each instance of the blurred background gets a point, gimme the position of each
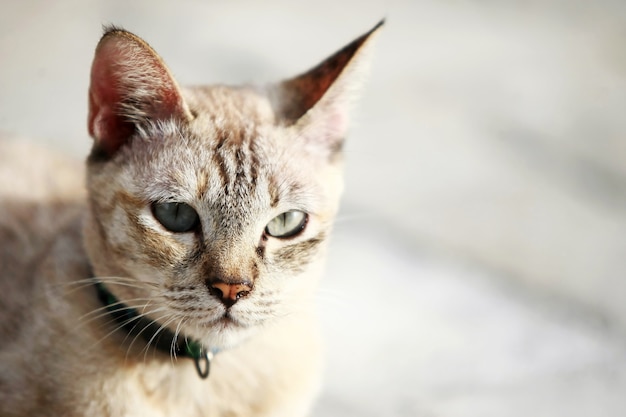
(479, 262)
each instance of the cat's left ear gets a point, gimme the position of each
(317, 103)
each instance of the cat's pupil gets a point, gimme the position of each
(287, 224)
(175, 217)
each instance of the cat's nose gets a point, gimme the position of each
(227, 292)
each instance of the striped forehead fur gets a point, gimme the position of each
(213, 164)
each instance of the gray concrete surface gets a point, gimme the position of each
(478, 265)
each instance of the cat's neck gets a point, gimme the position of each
(154, 334)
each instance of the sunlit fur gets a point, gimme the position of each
(233, 154)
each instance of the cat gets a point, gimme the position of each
(180, 280)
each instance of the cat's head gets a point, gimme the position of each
(210, 207)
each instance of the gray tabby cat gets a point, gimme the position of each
(182, 282)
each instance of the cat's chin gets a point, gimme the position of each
(225, 336)
(223, 333)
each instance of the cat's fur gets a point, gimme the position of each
(240, 156)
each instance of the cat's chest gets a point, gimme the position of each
(156, 391)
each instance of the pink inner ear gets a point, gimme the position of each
(105, 122)
(130, 84)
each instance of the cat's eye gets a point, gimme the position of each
(287, 224)
(175, 217)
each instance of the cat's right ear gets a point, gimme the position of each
(130, 86)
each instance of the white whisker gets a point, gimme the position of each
(122, 304)
(140, 332)
(123, 324)
(162, 327)
(176, 334)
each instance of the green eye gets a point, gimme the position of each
(175, 217)
(287, 224)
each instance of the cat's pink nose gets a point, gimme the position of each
(230, 293)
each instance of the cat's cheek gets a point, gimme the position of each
(295, 272)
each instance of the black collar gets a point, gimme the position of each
(153, 333)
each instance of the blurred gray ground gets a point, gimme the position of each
(478, 267)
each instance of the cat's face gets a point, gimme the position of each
(210, 207)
